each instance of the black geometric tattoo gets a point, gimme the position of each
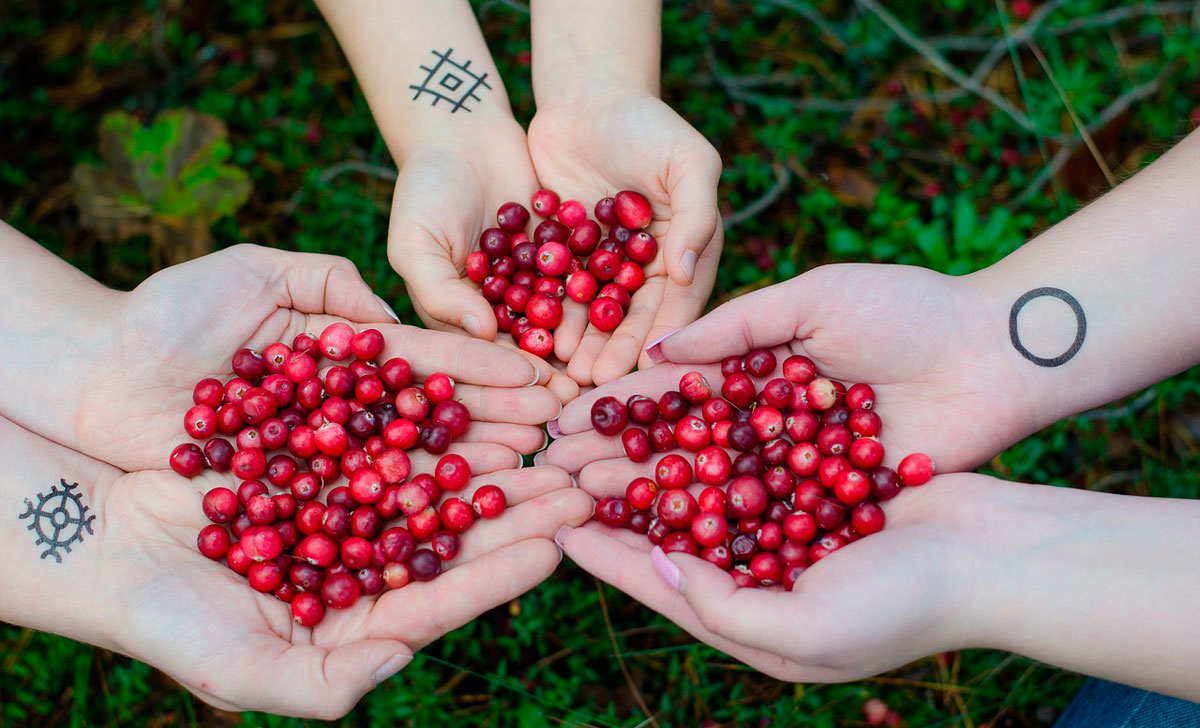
(59, 519)
(452, 77)
(1080, 326)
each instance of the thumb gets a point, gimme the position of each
(328, 684)
(694, 219)
(438, 288)
(760, 319)
(750, 617)
(318, 284)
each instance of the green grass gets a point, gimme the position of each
(922, 183)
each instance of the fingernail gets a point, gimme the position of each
(574, 480)
(654, 348)
(552, 429)
(390, 311)
(546, 440)
(688, 261)
(470, 324)
(666, 570)
(561, 536)
(540, 459)
(537, 377)
(520, 462)
(394, 665)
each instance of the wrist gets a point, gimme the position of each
(593, 85)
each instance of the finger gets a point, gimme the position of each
(612, 476)
(520, 484)
(624, 562)
(482, 457)
(313, 283)
(524, 439)
(437, 283)
(466, 360)
(570, 330)
(692, 186)
(305, 680)
(681, 305)
(521, 405)
(424, 611)
(538, 518)
(582, 361)
(624, 345)
(764, 318)
(756, 618)
(573, 452)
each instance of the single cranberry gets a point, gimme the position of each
(860, 396)
(604, 264)
(867, 518)
(749, 463)
(681, 542)
(340, 591)
(747, 497)
(672, 405)
(613, 512)
(739, 390)
(915, 469)
(457, 515)
(200, 421)
(605, 313)
(307, 609)
(537, 341)
(584, 238)
(769, 535)
(743, 437)
(213, 541)
(662, 437)
(713, 466)
(309, 517)
(822, 394)
(424, 565)
(760, 362)
(494, 242)
(642, 409)
(632, 209)
(424, 523)
(544, 203)
(709, 529)
(478, 266)
(779, 482)
(608, 416)
(248, 364)
(307, 344)
(836, 415)
(261, 543)
(396, 575)
(884, 483)
(636, 443)
(209, 392)
(629, 277)
(218, 453)
(489, 501)
(641, 247)
(673, 472)
(335, 341)
(831, 469)
(767, 568)
(512, 216)
(435, 438)
(571, 213)
(187, 459)
(692, 434)
(544, 312)
(396, 374)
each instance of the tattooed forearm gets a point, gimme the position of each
(450, 81)
(58, 519)
(1080, 326)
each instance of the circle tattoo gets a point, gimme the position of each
(1080, 326)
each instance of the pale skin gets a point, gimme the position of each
(1093, 582)
(457, 169)
(114, 372)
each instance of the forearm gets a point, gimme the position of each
(1130, 260)
(584, 50)
(55, 321)
(1099, 583)
(395, 48)
(51, 576)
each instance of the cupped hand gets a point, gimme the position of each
(873, 605)
(184, 324)
(446, 195)
(239, 649)
(944, 384)
(596, 148)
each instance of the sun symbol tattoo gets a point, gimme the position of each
(59, 519)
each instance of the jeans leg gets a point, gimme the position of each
(1103, 704)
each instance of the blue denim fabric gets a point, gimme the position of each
(1102, 704)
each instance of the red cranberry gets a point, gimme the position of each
(829, 514)
(544, 203)
(612, 512)
(396, 374)
(396, 575)
(424, 523)
(641, 247)
(739, 390)
(662, 437)
(478, 266)
(435, 438)
(867, 518)
(713, 466)
(307, 609)
(261, 543)
(779, 482)
(187, 459)
(453, 415)
(731, 365)
(884, 483)
(219, 454)
(743, 546)
(636, 443)
(760, 362)
(709, 529)
(213, 541)
(743, 437)
(642, 409)
(604, 264)
(770, 535)
(538, 341)
(200, 421)
(641, 493)
(424, 565)
(608, 416)
(716, 409)
(831, 469)
(572, 213)
(915, 469)
(489, 501)
(335, 341)
(309, 517)
(632, 209)
(544, 312)
(582, 286)
(673, 471)
(512, 216)
(681, 542)
(340, 591)
(835, 415)
(209, 392)
(749, 463)
(445, 544)
(248, 364)
(866, 453)
(456, 514)
(747, 497)
(822, 394)
(860, 396)
(767, 568)
(605, 313)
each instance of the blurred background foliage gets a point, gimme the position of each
(937, 134)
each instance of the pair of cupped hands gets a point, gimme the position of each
(238, 649)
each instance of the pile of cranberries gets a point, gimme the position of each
(805, 477)
(526, 279)
(354, 421)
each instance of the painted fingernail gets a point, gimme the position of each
(390, 311)
(470, 324)
(654, 348)
(561, 536)
(666, 570)
(394, 664)
(688, 261)
(552, 429)
(540, 459)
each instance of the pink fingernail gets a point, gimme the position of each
(654, 348)
(552, 428)
(540, 459)
(561, 536)
(666, 570)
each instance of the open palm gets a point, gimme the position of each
(239, 649)
(184, 323)
(637, 142)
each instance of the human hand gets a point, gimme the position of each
(592, 147)
(185, 323)
(942, 382)
(877, 603)
(239, 649)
